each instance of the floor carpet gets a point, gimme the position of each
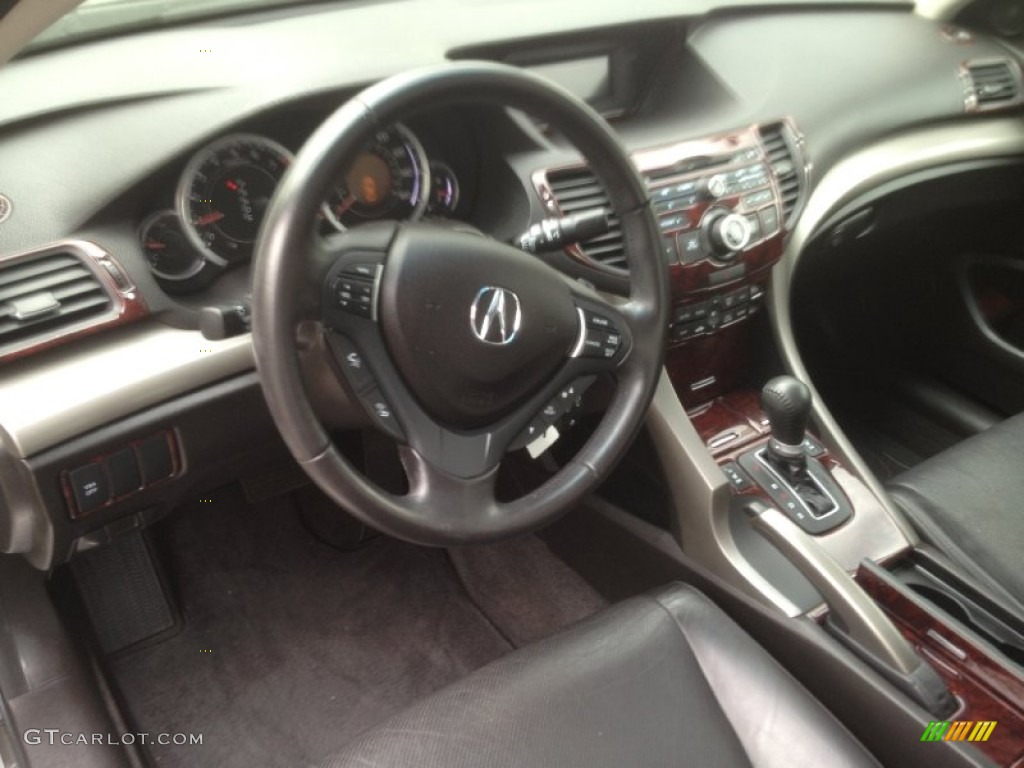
(290, 647)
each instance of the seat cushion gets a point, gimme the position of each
(969, 503)
(661, 680)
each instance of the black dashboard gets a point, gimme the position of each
(159, 149)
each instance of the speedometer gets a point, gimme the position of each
(224, 193)
(390, 179)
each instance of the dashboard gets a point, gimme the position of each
(145, 162)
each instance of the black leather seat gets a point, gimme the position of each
(968, 502)
(663, 680)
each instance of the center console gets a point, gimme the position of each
(821, 543)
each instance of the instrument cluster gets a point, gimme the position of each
(225, 188)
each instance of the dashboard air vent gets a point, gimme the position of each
(42, 295)
(991, 84)
(779, 143)
(577, 189)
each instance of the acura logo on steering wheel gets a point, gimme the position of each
(495, 315)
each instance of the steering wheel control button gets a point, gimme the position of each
(594, 320)
(568, 400)
(90, 488)
(381, 412)
(354, 295)
(364, 270)
(352, 363)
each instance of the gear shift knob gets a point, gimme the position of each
(787, 403)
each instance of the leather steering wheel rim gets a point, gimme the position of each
(443, 508)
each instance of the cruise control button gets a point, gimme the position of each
(595, 320)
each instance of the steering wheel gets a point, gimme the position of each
(455, 342)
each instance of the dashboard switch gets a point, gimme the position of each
(90, 488)
(155, 460)
(123, 469)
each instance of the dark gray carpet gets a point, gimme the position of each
(524, 589)
(290, 647)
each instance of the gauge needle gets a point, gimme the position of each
(155, 245)
(345, 204)
(210, 218)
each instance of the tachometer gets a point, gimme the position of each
(390, 178)
(224, 193)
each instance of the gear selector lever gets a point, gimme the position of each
(787, 404)
(799, 485)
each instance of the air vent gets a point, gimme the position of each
(779, 143)
(42, 295)
(991, 84)
(577, 189)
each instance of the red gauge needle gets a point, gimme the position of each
(155, 245)
(210, 218)
(345, 204)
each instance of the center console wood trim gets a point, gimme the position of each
(988, 688)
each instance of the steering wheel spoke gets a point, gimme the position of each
(438, 496)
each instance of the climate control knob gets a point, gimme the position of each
(728, 234)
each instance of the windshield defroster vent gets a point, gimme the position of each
(60, 292)
(781, 147)
(578, 189)
(991, 84)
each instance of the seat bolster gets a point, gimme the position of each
(776, 719)
(968, 502)
(620, 688)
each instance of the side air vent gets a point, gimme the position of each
(991, 84)
(577, 189)
(780, 147)
(44, 294)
